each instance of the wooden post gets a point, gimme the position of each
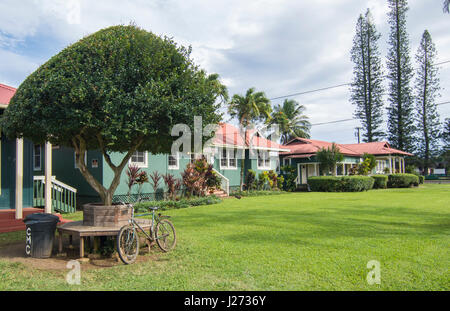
(19, 178)
(390, 164)
(48, 178)
(81, 246)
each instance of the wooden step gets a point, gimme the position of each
(8, 223)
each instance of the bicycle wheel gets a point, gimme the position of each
(128, 244)
(165, 235)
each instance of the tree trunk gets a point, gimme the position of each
(106, 195)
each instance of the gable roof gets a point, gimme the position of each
(376, 148)
(228, 135)
(6, 93)
(309, 146)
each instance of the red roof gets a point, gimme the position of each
(6, 93)
(305, 146)
(311, 146)
(376, 148)
(229, 135)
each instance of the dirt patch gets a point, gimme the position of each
(15, 252)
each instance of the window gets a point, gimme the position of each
(139, 158)
(173, 162)
(227, 159)
(287, 161)
(263, 160)
(75, 159)
(37, 157)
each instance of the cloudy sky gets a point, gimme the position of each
(280, 47)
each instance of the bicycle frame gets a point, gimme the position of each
(133, 222)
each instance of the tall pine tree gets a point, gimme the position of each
(366, 88)
(426, 91)
(401, 104)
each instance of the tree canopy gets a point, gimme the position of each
(328, 158)
(120, 89)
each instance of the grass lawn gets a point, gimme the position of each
(296, 241)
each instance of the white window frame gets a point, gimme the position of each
(286, 160)
(75, 159)
(140, 164)
(173, 167)
(35, 168)
(266, 155)
(228, 158)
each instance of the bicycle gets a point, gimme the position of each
(163, 233)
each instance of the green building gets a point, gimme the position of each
(262, 155)
(302, 156)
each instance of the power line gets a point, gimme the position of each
(345, 120)
(334, 86)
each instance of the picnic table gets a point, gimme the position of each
(76, 228)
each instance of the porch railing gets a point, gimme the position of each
(64, 197)
(225, 184)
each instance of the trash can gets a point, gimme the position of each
(39, 234)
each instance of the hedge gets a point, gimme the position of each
(183, 203)
(340, 184)
(256, 193)
(402, 180)
(380, 181)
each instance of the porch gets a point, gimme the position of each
(306, 170)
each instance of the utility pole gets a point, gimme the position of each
(357, 133)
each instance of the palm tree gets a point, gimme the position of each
(252, 107)
(222, 91)
(291, 120)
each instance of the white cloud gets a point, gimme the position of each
(280, 47)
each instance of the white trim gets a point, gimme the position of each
(252, 147)
(48, 177)
(140, 164)
(19, 179)
(227, 181)
(56, 182)
(75, 159)
(264, 167)
(173, 167)
(35, 168)
(228, 166)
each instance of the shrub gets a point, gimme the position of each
(402, 180)
(340, 184)
(173, 185)
(421, 179)
(255, 193)
(250, 180)
(380, 181)
(290, 174)
(329, 157)
(273, 179)
(369, 163)
(263, 179)
(183, 203)
(324, 183)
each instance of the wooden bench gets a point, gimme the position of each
(77, 229)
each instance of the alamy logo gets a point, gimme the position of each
(73, 277)
(374, 275)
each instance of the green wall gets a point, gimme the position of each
(8, 174)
